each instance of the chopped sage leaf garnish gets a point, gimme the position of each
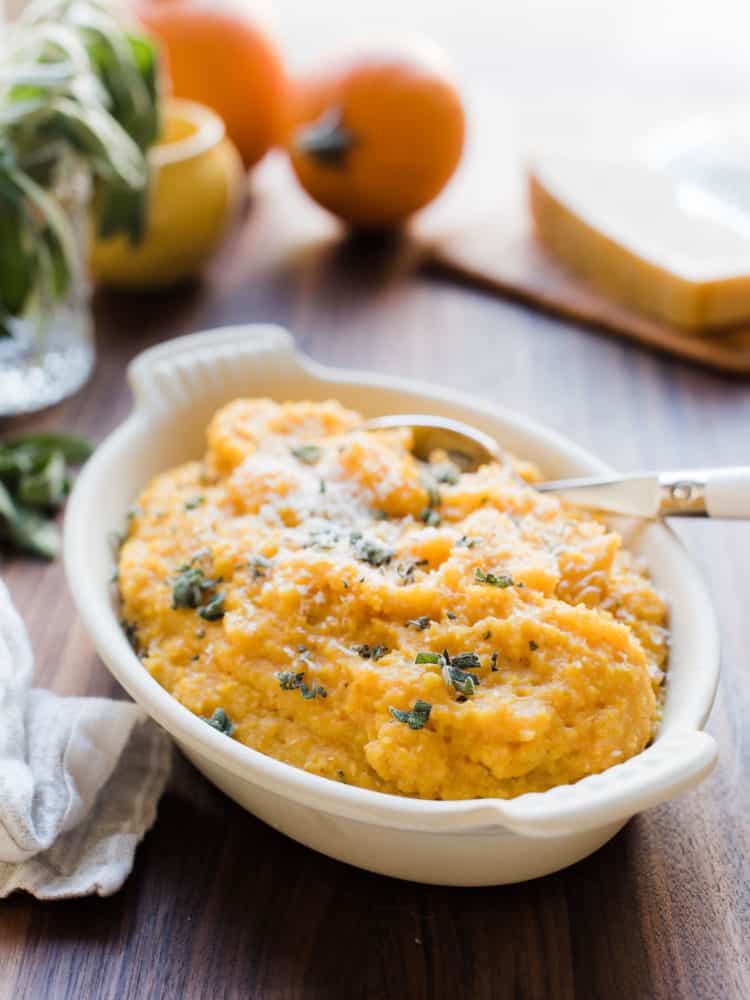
(307, 453)
(421, 623)
(427, 657)
(446, 472)
(368, 652)
(131, 634)
(194, 502)
(466, 661)
(501, 580)
(416, 718)
(289, 680)
(493, 662)
(454, 669)
(406, 570)
(465, 542)
(214, 609)
(533, 646)
(322, 486)
(315, 690)
(188, 587)
(370, 550)
(433, 493)
(431, 517)
(325, 538)
(220, 721)
(465, 683)
(449, 614)
(258, 564)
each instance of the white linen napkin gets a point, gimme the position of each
(80, 779)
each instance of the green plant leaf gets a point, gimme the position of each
(26, 529)
(48, 486)
(74, 448)
(17, 265)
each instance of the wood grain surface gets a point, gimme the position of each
(502, 255)
(219, 905)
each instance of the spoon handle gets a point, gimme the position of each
(720, 493)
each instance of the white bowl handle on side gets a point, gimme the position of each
(673, 764)
(169, 375)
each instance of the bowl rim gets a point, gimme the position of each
(537, 813)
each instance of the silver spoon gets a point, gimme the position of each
(722, 493)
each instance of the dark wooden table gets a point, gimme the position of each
(219, 905)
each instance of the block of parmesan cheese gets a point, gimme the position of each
(674, 244)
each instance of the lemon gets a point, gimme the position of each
(197, 175)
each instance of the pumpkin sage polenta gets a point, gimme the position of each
(315, 592)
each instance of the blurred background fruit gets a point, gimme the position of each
(197, 175)
(222, 55)
(379, 138)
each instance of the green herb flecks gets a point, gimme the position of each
(259, 565)
(416, 718)
(428, 657)
(315, 690)
(188, 587)
(431, 517)
(324, 538)
(455, 669)
(501, 580)
(368, 652)
(466, 661)
(450, 615)
(420, 623)
(493, 663)
(406, 570)
(191, 588)
(465, 683)
(533, 646)
(370, 550)
(194, 502)
(465, 542)
(213, 610)
(446, 472)
(289, 680)
(220, 721)
(131, 634)
(308, 454)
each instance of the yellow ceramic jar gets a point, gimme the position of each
(195, 188)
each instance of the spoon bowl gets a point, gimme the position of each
(465, 445)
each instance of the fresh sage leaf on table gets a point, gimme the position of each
(34, 481)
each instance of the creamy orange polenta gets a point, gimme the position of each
(388, 623)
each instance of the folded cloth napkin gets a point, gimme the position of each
(80, 779)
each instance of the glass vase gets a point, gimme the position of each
(50, 351)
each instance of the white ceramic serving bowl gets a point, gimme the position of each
(177, 387)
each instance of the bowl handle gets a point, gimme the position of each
(167, 376)
(674, 763)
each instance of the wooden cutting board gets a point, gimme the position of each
(501, 254)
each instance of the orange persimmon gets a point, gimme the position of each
(221, 55)
(377, 140)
